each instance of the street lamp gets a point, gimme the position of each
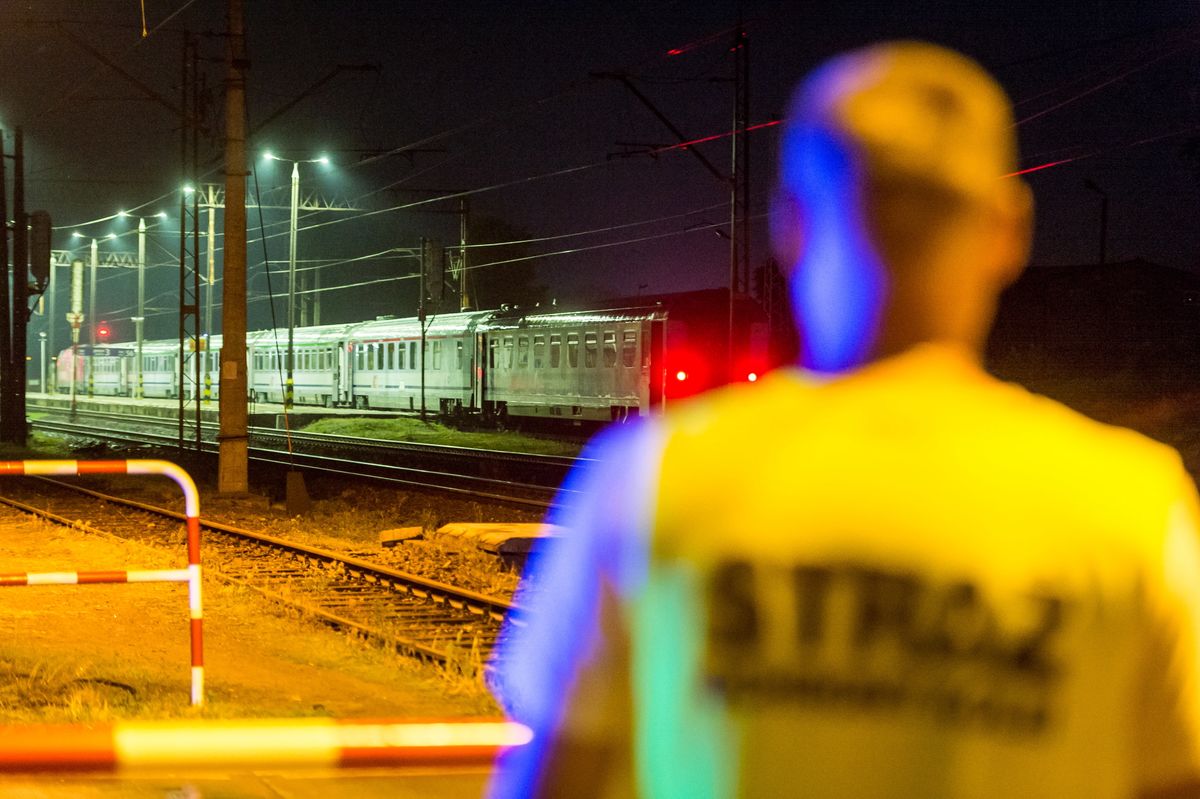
(291, 314)
(95, 262)
(1091, 186)
(141, 294)
(42, 360)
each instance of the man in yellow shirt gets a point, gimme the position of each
(886, 573)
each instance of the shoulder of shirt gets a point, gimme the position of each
(747, 412)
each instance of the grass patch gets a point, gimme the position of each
(419, 432)
(38, 692)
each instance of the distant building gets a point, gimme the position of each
(1092, 319)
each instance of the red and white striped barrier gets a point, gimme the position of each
(259, 743)
(190, 575)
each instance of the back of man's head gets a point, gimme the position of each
(889, 151)
(904, 112)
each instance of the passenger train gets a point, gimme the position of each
(581, 367)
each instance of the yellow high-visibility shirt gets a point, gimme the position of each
(913, 581)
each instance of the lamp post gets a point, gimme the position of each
(289, 384)
(94, 263)
(1090, 184)
(42, 361)
(140, 319)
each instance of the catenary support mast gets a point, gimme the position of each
(232, 468)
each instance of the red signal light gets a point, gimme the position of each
(681, 375)
(102, 330)
(752, 377)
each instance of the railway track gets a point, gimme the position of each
(414, 615)
(516, 478)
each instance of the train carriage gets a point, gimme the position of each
(98, 371)
(563, 367)
(595, 366)
(387, 369)
(316, 367)
(160, 369)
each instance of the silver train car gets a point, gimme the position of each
(593, 366)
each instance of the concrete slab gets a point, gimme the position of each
(502, 538)
(389, 538)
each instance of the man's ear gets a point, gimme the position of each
(787, 229)
(1013, 226)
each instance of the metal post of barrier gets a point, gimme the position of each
(258, 743)
(191, 575)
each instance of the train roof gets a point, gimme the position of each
(501, 320)
(435, 325)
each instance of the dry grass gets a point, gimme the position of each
(41, 692)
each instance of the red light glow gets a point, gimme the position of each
(681, 375)
(752, 377)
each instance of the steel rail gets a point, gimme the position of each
(539, 496)
(462, 604)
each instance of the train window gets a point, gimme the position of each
(437, 355)
(522, 352)
(508, 352)
(379, 357)
(412, 355)
(391, 355)
(629, 348)
(400, 355)
(555, 346)
(610, 349)
(358, 358)
(458, 351)
(493, 345)
(590, 345)
(572, 350)
(539, 351)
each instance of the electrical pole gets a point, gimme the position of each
(233, 468)
(140, 319)
(6, 407)
(91, 312)
(20, 293)
(739, 191)
(464, 298)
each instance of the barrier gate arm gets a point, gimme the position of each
(191, 575)
(256, 743)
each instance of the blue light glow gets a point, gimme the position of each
(602, 549)
(838, 282)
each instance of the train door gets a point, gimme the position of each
(478, 372)
(657, 372)
(343, 376)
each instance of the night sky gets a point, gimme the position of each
(499, 99)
